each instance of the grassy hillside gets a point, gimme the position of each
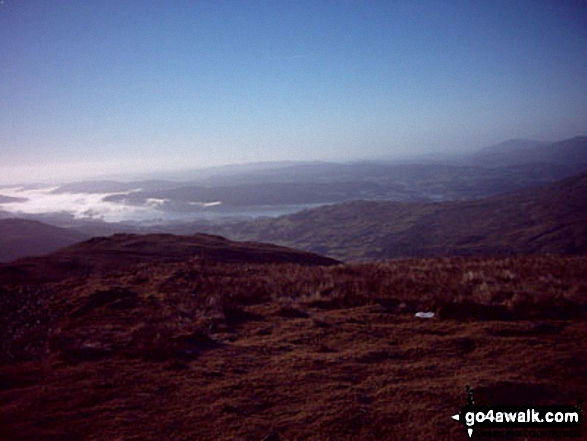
(546, 220)
(207, 350)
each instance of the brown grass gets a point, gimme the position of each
(207, 350)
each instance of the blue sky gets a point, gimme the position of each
(96, 86)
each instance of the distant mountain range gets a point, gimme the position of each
(569, 152)
(506, 167)
(545, 220)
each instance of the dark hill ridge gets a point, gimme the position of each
(570, 152)
(546, 220)
(22, 237)
(105, 255)
(170, 248)
(4, 199)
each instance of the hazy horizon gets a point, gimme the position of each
(95, 89)
(136, 170)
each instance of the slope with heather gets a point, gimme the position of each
(209, 350)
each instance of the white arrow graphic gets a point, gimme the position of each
(457, 417)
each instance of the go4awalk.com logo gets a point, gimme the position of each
(555, 421)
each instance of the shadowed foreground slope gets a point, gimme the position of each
(207, 350)
(22, 237)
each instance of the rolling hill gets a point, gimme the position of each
(546, 220)
(105, 255)
(22, 237)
